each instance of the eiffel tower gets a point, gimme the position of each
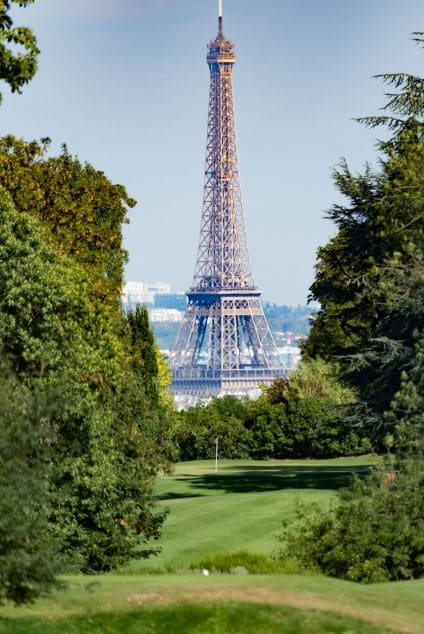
(224, 345)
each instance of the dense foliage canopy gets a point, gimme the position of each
(81, 209)
(304, 416)
(370, 276)
(373, 531)
(27, 554)
(101, 426)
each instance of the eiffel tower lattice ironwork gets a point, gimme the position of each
(224, 345)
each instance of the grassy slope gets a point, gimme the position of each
(396, 606)
(240, 506)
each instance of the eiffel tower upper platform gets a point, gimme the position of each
(224, 345)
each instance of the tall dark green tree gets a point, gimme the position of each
(370, 282)
(369, 278)
(144, 354)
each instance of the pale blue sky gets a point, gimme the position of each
(125, 84)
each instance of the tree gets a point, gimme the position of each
(18, 63)
(82, 211)
(196, 429)
(372, 532)
(27, 555)
(144, 353)
(370, 282)
(305, 415)
(369, 278)
(406, 413)
(103, 431)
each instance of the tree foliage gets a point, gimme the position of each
(103, 429)
(369, 278)
(304, 416)
(373, 531)
(27, 556)
(81, 209)
(143, 350)
(18, 49)
(370, 282)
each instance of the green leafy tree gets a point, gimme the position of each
(266, 420)
(144, 351)
(82, 211)
(18, 49)
(406, 413)
(27, 556)
(103, 431)
(369, 278)
(196, 429)
(304, 415)
(370, 283)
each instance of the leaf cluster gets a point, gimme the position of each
(81, 209)
(18, 62)
(27, 551)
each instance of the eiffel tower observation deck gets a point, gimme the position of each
(224, 345)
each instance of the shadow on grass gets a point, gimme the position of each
(251, 479)
(171, 495)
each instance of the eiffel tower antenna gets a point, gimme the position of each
(220, 17)
(224, 345)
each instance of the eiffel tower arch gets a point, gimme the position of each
(224, 345)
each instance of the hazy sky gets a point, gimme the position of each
(125, 84)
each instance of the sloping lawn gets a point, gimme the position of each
(241, 506)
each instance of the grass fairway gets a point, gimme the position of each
(215, 618)
(222, 604)
(241, 506)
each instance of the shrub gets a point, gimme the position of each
(373, 532)
(253, 563)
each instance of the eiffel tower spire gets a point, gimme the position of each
(224, 345)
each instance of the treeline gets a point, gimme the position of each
(305, 416)
(84, 416)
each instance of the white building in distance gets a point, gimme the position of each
(143, 292)
(165, 314)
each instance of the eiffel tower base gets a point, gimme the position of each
(230, 330)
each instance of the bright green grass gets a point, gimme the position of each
(239, 507)
(219, 618)
(116, 604)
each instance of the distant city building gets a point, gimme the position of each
(143, 293)
(291, 356)
(165, 314)
(158, 287)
